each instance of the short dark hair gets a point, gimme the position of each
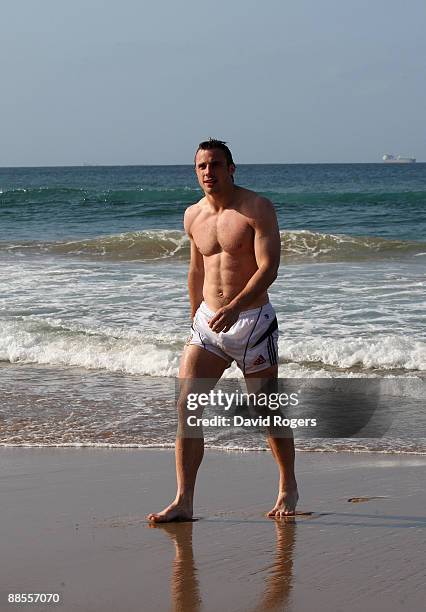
(212, 143)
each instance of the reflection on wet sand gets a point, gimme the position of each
(279, 581)
(185, 589)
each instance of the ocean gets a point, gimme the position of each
(94, 306)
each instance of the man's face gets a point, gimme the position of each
(213, 172)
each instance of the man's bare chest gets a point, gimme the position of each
(230, 233)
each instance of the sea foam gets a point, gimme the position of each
(32, 341)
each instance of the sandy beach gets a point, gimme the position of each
(212, 194)
(73, 523)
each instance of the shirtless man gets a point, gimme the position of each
(235, 254)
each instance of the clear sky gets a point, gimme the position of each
(135, 82)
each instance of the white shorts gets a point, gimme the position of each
(252, 341)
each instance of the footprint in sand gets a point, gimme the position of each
(356, 500)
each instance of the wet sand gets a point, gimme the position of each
(72, 521)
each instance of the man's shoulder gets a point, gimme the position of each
(253, 203)
(191, 213)
(194, 209)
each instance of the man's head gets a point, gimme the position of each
(214, 166)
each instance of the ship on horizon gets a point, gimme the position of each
(399, 159)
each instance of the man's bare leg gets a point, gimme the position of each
(196, 363)
(283, 451)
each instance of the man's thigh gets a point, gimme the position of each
(199, 372)
(256, 381)
(197, 362)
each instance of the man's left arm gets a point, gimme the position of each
(267, 250)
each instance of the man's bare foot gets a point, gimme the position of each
(285, 504)
(177, 511)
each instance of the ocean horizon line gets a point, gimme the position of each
(153, 165)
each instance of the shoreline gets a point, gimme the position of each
(74, 523)
(37, 413)
(218, 449)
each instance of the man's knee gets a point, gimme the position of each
(188, 411)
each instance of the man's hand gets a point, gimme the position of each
(224, 319)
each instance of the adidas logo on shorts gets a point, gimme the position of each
(261, 359)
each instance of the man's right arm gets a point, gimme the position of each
(196, 269)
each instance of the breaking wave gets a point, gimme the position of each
(149, 245)
(30, 340)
